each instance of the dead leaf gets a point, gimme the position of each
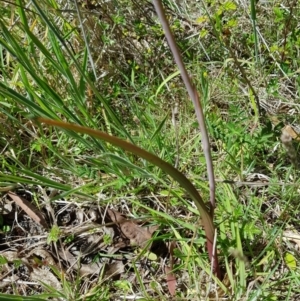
(41, 253)
(30, 209)
(114, 269)
(5, 271)
(39, 274)
(171, 278)
(67, 256)
(137, 235)
(45, 276)
(93, 268)
(84, 269)
(288, 130)
(10, 256)
(292, 236)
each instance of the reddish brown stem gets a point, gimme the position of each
(200, 117)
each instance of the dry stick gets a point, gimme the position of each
(194, 96)
(200, 117)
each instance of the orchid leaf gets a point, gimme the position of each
(165, 166)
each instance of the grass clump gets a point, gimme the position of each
(108, 67)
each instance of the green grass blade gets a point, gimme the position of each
(171, 76)
(253, 17)
(159, 127)
(4, 297)
(34, 39)
(119, 126)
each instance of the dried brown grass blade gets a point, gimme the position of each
(137, 235)
(29, 208)
(171, 278)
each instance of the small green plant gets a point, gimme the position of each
(69, 239)
(107, 239)
(53, 235)
(123, 285)
(3, 260)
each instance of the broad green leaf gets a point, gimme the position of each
(229, 6)
(290, 261)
